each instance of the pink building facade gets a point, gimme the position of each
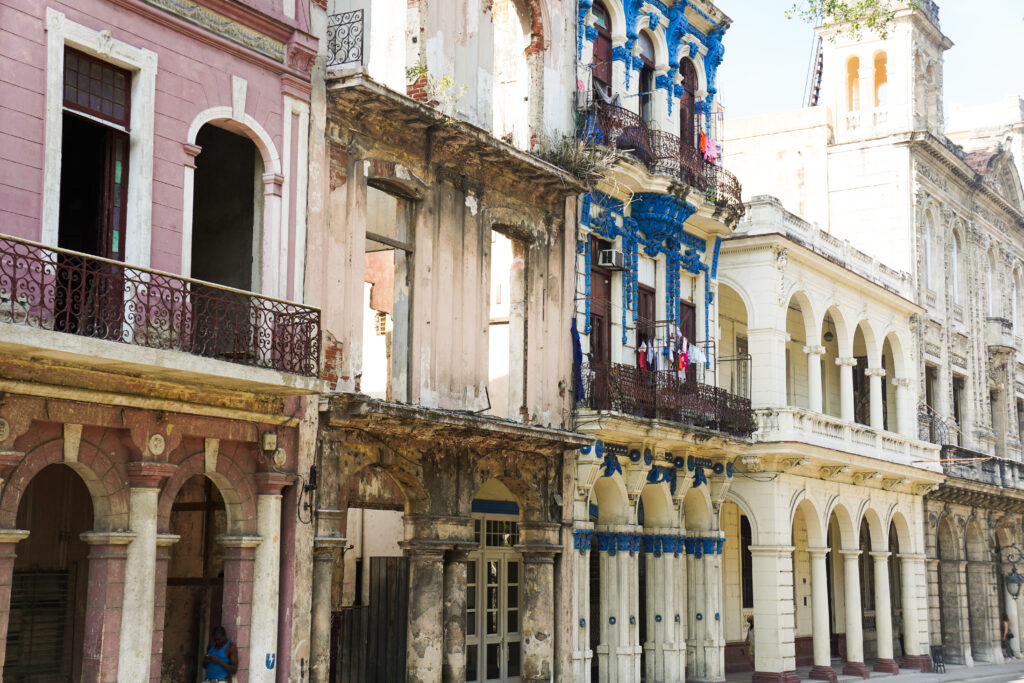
(157, 366)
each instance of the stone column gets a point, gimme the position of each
(774, 618)
(455, 615)
(821, 629)
(108, 554)
(136, 647)
(325, 552)
(582, 621)
(163, 558)
(611, 614)
(538, 599)
(854, 627)
(846, 409)
(705, 636)
(236, 612)
(875, 376)
(266, 579)
(814, 353)
(915, 650)
(425, 643)
(659, 648)
(8, 551)
(1010, 609)
(883, 615)
(906, 415)
(681, 608)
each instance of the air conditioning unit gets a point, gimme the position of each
(584, 100)
(611, 258)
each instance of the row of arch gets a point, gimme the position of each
(880, 80)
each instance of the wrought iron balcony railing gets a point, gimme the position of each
(345, 39)
(664, 395)
(661, 152)
(65, 291)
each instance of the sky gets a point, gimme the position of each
(767, 55)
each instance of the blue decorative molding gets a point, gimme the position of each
(714, 257)
(699, 546)
(659, 544)
(611, 465)
(713, 60)
(581, 25)
(581, 539)
(614, 542)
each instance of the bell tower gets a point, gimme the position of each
(877, 86)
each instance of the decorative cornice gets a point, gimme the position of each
(893, 484)
(833, 471)
(861, 477)
(223, 26)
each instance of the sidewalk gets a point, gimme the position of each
(1009, 671)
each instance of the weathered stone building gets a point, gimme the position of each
(874, 164)
(155, 379)
(444, 267)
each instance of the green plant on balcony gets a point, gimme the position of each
(443, 93)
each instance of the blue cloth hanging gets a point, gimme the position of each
(577, 361)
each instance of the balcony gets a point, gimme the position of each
(808, 427)
(662, 153)
(103, 303)
(1000, 334)
(974, 466)
(664, 395)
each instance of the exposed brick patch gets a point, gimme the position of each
(322, 4)
(339, 165)
(418, 89)
(333, 355)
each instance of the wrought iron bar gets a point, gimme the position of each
(345, 39)
(66, 291)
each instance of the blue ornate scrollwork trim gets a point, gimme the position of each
(581, 539)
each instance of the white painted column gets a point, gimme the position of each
(875, 376)
(660, 661)
(854, 614)
(607, 647)
(814, 354)
(767, 347)
(774, 612)
(906, 416)
(1010, 609)
(136, 642)
(265, 585)
(822, 630)
(883, 614)
(846, 409)
(681, 608)
(582, 620)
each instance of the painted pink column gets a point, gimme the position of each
(236, 617)
(108, 554)
(8, 551)
(163, 558)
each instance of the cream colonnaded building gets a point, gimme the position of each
(873, 163)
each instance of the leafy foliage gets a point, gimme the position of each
(852, 17)
(588, 163)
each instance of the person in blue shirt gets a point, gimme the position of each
(221, 659)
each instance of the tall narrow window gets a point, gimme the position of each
(853, 84)
(646, 78)
(990, 293)
(94, 156)
(688, 103)
(511, 110)
(954, 269)
(746, 563)
(602, 49)
(926, 251)
(881, 80)
(506, 340)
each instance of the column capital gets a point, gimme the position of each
(850, 554)
(848, 361)
(146, 474)
(271, 483)
(818, 552)
(901, 382)
(779, 550)
(880, 555)
(425, 550)
(13, 535)
(239, 541)
(908, 557)
(538, 553)
(167, 540)
(874, 372)
(108, 537)
(814, 350)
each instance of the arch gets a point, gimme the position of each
(927, 233)
(844, 522)
(659, 512)
(956, 264)
(947, 539)
(696, 62)
(393, 177)
(657, 36)
(372, 485)
(991, 294)
(748, 512)
(109, 498)
(697, 512)
(617, 18)
(975, 547)
(853, 84)
(898, 523)
(878, 531)
(609, 494)
(809, 315)
(844, 339)
(812, 521)
(741, 293)
(247, 126)
(1015, 302)
(881, 79)
(233, 484)
(513, 93)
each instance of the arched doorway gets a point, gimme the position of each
(46, 628)
(512, 37)
(738, 597)
(494, 576)
(984, 624)
(609, 586)
(950, 621)
(195, 578)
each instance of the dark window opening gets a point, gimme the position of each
(602, 49)
(746, 563)
(959, 385)
(688, 104)
(646, 79)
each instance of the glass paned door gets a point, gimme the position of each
(493, 577)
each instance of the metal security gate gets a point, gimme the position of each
(368, 642)
(493, 578)
(38, 646)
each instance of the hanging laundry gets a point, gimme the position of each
(691, 353)
(703, 144)
(642, 356)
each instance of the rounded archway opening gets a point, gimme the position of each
(512, 38)
(48, 605)
(733, 349)
(950, 617)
